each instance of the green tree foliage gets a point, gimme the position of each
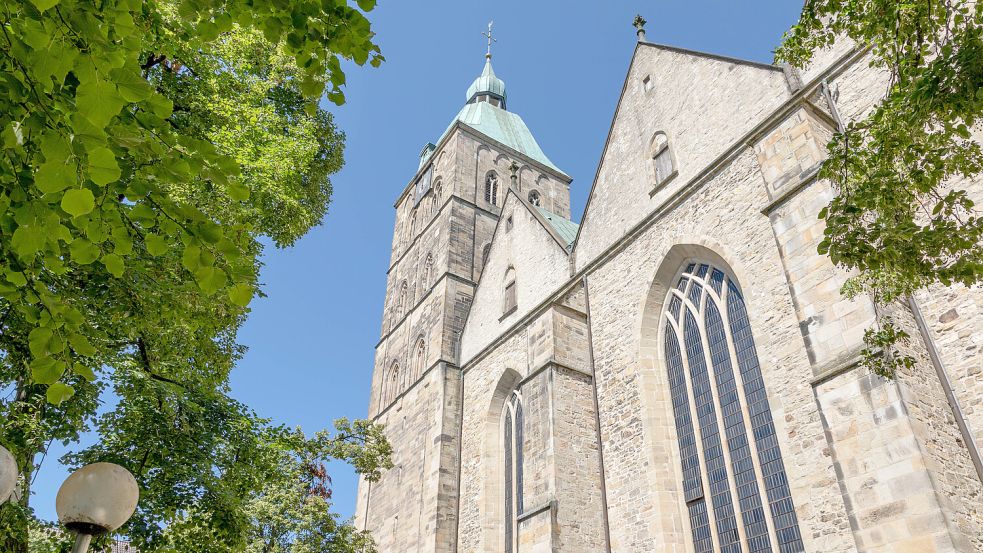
(900, 216)
(148, 146)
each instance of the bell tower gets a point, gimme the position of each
(445, 218)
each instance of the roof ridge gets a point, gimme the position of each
(719, 57)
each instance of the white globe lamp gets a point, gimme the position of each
(96, 499)
(8, 474)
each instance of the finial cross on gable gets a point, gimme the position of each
(488, 35)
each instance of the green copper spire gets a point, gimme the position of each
(487, 84)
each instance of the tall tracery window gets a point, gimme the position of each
(665, 169)
(512, 453)
(491, 188)
(707, 334)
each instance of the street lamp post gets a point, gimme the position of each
(96, 499)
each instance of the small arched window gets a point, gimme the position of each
(491, 188)
(534, 198)
(412, 225)
(512, 453)
(510, 300)
(427, 274)
(665, 167)
(712, 386)
(401, 299)
(419, 358)
(435, 200)
(390, 388)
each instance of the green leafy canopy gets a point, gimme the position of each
(901, 216)
(147, 148)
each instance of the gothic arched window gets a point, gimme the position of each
(509, 298)
(723, 420)
(419, 357)
(512, 449)
(426, 274)
(390, 388)
(665, 167)
(534, 198)
(401, 299)
(435, 201)
(491, 188)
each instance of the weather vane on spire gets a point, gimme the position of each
(488, 34)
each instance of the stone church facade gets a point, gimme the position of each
(679, 372)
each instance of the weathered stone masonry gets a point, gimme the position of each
(517, 299)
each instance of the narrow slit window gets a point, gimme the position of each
(512, 453)
(491, 188)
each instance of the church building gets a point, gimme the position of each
(679, 371)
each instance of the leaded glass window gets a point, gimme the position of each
(734, 483)
(491, 188)
(512, 448)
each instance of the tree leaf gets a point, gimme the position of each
(39, 341)
(84, 371)
(59, 392)
(43, 5)
(55, 176)
(98, 101)
(156, 244)
(103, 168)
(241, 294)
(132, 87)
(78, 201)
(83, 251)
(28, 240)
(46, 370)
(114, 264)
(81, 345)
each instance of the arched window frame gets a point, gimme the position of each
(419, 357)
(435, 199)
(512, 454)
(391, 385)
(491, 188)
(509, 294)
(426, 274)
(723, 419)
(535, 198)
(662, 158)
(401, 299)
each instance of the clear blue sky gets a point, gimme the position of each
(311, 341)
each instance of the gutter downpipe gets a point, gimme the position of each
(597, 421)
(957, 412)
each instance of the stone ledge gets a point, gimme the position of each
(527, 514)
